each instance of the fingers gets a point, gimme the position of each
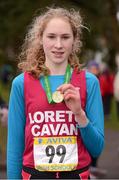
(69, 96)
(69, 91)
(63, 88)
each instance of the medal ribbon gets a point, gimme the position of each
(47, 83)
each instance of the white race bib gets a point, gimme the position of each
(56, 153)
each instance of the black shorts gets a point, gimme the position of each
(31, 173)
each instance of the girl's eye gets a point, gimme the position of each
(65, 37)
(51, 37)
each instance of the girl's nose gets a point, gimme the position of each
(58, 43)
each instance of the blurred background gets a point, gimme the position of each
(99, 54)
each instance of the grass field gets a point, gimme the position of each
(113, 123)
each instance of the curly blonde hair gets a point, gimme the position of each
(32, 57)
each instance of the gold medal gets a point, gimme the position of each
(57, 97)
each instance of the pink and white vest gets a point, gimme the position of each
(52, 140)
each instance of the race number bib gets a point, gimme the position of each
(55, 153)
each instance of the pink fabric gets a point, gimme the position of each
(84, 175)
(36, 100)
(25, 175)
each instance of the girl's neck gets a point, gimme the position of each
(57, 69)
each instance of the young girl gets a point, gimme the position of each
(55, 109)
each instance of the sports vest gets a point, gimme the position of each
(52, 139)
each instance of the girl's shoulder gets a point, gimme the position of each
(91, 78)
(18, 80)
(92, 83)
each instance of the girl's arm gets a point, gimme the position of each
(16, 125)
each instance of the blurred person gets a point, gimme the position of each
(116, 87)
(116, 84)
(56, 117)
(3, 112)
(106, 80)
(116, 91)
(96, 172)
(6, 73)
(93, 67)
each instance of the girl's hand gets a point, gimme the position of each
(71, 97)
(73, 102)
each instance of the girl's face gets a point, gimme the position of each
(57, 41)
